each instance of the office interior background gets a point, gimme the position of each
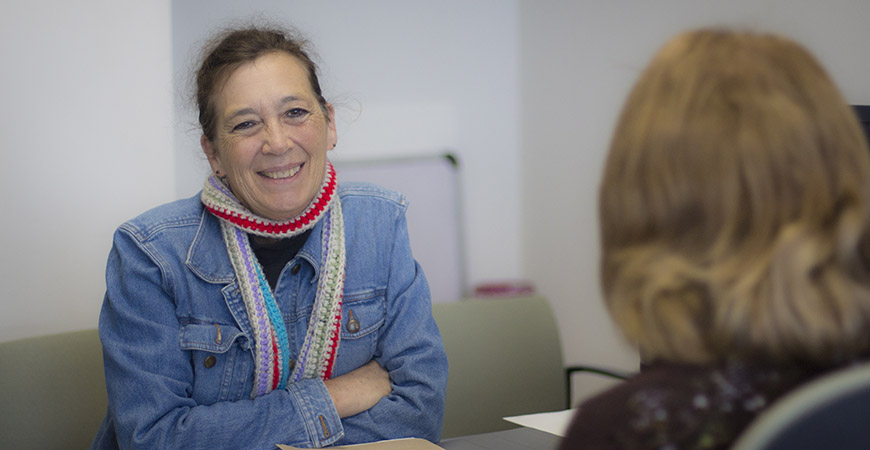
(97, 127)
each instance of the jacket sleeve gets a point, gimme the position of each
(149, 377)
(411, 349)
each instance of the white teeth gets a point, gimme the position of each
(281, 174)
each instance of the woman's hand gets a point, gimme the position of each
(359, 390)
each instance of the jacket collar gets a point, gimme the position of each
(312, 250)
(207, 256)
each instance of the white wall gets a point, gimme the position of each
(407, 78)
(525, 91)
(578, 61)
(85, 143)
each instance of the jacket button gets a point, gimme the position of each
(209, 362)
(295, 269)
(352, 325)
(292, 365)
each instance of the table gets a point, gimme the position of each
(522, 438)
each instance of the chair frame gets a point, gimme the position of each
(831, 411)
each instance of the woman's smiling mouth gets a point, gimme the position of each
(281, 174)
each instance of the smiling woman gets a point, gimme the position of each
(277, 306)
(272, 136)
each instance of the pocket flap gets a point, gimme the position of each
(368, 315)
(216, 338)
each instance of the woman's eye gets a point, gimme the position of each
(243, 126)
(295, 113)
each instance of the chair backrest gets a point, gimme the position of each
(832, 412)
(505, 359)
(52, 391)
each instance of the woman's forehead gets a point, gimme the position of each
(273, 79)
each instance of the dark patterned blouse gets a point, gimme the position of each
(682, 407)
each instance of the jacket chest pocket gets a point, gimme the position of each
(221, 360)
(362, 317)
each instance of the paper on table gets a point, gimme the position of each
(394, 444)
(551, 422)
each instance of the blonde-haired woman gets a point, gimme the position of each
(735, 221)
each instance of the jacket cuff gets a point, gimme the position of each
(319, 415)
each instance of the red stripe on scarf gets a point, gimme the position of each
(333, 345)
(276, 369)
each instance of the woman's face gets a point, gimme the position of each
(272, 136)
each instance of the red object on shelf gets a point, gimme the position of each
(504, 289)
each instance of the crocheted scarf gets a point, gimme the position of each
(272, 350)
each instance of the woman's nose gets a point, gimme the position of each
(275, 139)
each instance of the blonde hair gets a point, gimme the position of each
(734, 206)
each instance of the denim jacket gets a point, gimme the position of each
(177, 342)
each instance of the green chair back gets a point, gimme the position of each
(52, 391)
(505, 359)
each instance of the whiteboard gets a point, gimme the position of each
(431, 185)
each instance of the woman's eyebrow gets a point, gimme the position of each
(245, 111)
(241, 112)
(289, 98)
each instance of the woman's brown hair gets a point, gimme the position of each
(231, 48)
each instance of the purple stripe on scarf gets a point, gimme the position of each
(265, 327)
(302, 360)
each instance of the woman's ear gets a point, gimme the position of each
(212, 155)
(330, 122)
